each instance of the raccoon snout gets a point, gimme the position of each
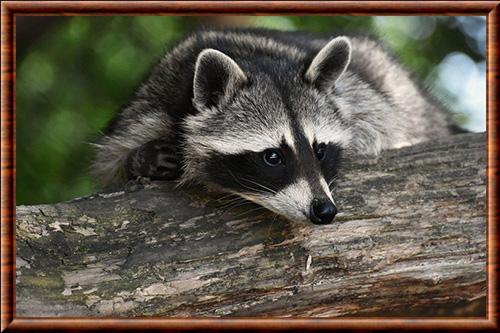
(322, 211)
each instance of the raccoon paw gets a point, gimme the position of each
(157, 160)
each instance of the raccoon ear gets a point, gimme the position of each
(216, 76)
(330, 63)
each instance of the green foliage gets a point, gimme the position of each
(76, 76)
(68, 87)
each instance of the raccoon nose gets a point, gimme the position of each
(322, 211)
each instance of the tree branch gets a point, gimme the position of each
(410, 239)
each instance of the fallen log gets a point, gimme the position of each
(410, 239)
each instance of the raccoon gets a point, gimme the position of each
(267, 115)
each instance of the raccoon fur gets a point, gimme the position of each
(266, 115)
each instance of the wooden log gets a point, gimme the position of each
(410, 239)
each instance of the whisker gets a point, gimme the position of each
(249, 211)
(271, 224)
(240, 204)
(226, 196)
(245, 186)
(232, 200)
(261, 185)
(332, 180)
(234, 204)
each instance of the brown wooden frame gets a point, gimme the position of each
(8, 122)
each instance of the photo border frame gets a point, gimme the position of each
(11, 9)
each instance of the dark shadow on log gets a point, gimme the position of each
(410, 240)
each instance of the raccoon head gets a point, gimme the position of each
(269, 130)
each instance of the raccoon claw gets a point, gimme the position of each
(157, 160)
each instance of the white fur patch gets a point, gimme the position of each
(293, 201)
(327, 131)
(325, 187)
(232, 142)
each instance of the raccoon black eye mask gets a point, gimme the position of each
(266, 115)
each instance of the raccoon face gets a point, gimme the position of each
(275, 140)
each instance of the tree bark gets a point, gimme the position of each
(410, 239)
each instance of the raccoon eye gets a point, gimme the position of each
(272, 157)
(320, 151)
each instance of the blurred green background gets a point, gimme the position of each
(74, 73)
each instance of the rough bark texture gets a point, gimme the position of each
(410, 239)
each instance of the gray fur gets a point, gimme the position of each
(208, 57)
(274, 83)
